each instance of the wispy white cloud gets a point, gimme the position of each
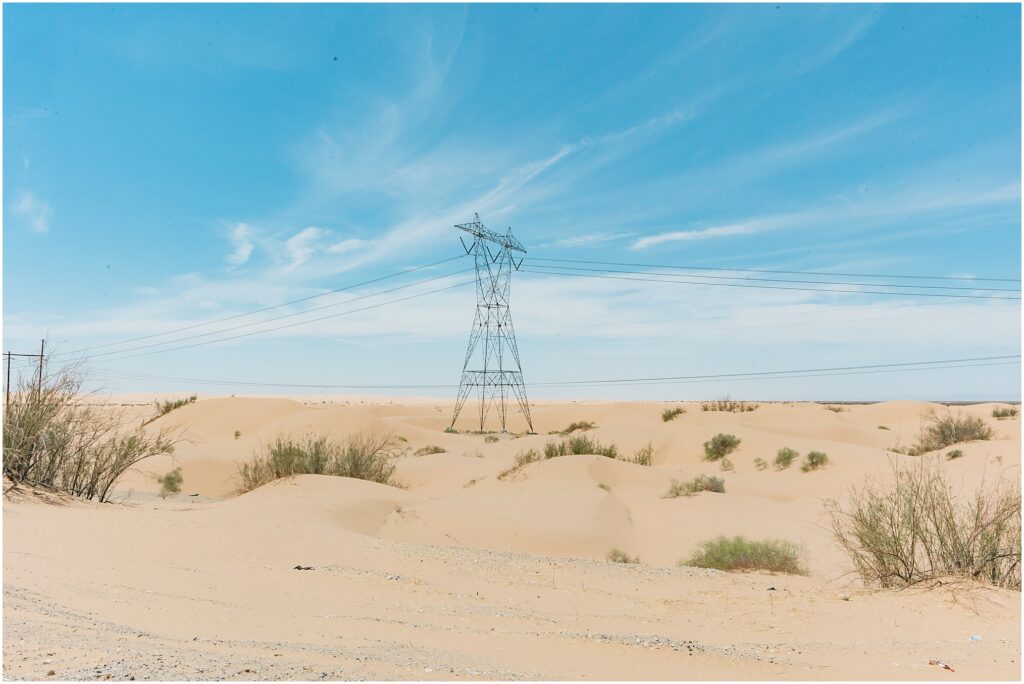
(37, 212)
(585, 240)
(347, 245)
(241, 243)
(701, 234)
(303, 245)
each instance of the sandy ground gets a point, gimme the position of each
(462, 575)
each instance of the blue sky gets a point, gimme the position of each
(169, 165)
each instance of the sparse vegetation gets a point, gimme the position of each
(729, 405)
(238, 433)
(720, 446)
(429, 449)
(701, 483)
(170, 483)
(954, 454)
(785, 457)
(364, 456)
(813, 461)
(581, 425)
(740, 554)
(523, 458)
(760, 463)
(579, 444)
(670, 414)
(605, 487)
(643, 456)
(617, 556)
(949, 429)
(725, 465)
(916, 528)
(835, 409)
(1001, 413)
(882, 427)
(58, 438)
(491, 439)
(165, 407)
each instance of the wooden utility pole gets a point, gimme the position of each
(42, 351)
(7, 387)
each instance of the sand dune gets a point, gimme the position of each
(463, 573)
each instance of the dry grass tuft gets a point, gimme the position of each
(740, 554)
(701, 483)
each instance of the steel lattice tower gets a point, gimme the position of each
(496, 371)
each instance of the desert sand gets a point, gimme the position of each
(462, 575)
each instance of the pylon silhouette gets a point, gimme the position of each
(492, 367)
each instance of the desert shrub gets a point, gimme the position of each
(760, 464)
(58, 438)
(523, 458)
(739, 553)
(882, 427)
(720, 446)
(617, 556)
(491, 439)
(170, 483)
(785, 457)
(429, 449)
(813, 460)
(364, 456)
(451, 431)
(954, 454)
(1001, 413)
(579, 444)
(165, 407)
(605, 487)
(949, 429)
(835, 409)
(670, 414)
(238, 433)
(643, 455)
(701, 483)
(917, 528)
(729, 405)
(580, 425)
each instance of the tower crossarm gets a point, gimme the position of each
(482, 232)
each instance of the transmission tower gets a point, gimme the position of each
(492, 366)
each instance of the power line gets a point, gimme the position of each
(275, 306)
(292, 325)
(568, 271)
(782, 280)
(762, 270)
(278, 318)
(943, 364)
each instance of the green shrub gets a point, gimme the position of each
(701, 483)
(491, 439)
(579, 444)
(165, 407)
(238, 433)
(643, 456)
(581, 425)
(617, 556)
(954, 454)
(760, 464)
(523, 458)
(726, 466)
(669, 414)
(1001, 413)
(729, 405)
(58, 437)
(813, 461)
(430, 449)
(785, 457)
(944, 431)
(720, 446)
(916, 528)
(739, 553)
(170, 483)
(363, 456)
(605, 487)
